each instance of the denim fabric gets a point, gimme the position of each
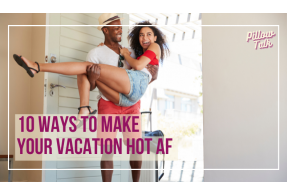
(139, 82)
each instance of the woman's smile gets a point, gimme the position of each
(146, 43)
(146, 37)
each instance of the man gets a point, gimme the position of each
(108, 54)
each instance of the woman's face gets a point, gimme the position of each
(146, 37)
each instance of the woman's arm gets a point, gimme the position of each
(143, 61)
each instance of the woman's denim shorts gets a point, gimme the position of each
(139, 81)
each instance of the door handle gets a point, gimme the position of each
(56, 85)
(53, 58)
(52, 86)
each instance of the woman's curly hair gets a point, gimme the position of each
(133, 38)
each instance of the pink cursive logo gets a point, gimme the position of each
(258, 35)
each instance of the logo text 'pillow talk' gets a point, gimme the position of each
(257, 36)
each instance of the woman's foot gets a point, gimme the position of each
(83, 112)
(30, 64)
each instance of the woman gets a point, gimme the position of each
(124, 87)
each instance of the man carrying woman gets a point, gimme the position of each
(109, 54)
(122, 87)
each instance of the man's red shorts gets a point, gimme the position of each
(108, 107)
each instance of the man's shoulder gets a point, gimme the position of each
(97, 49)
(95, 54)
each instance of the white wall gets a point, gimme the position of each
(37, 83)
(21, 83)
(240, 99)
(23, 93)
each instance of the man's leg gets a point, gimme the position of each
(106, 107)
(84, 92)
(136, 163)
(107, 163)
(135, 159)
(107, 159)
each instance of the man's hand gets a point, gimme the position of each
(93, 73)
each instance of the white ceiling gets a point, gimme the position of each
(177, 23)
(173, 75)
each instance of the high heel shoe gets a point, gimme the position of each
(91, 114)
(25, 66)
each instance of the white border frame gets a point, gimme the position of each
(150, 169)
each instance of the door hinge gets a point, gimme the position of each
(45, 88)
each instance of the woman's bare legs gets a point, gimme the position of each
(65, 68)
(84, 89)
(69, 68)
(84, 92)
(109, 93)
(114, 77)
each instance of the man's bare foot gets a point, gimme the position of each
(30, 64)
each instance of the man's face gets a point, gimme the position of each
(114, 32)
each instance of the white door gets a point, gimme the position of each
(71, 43)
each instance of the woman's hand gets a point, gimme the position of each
(124, 51)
